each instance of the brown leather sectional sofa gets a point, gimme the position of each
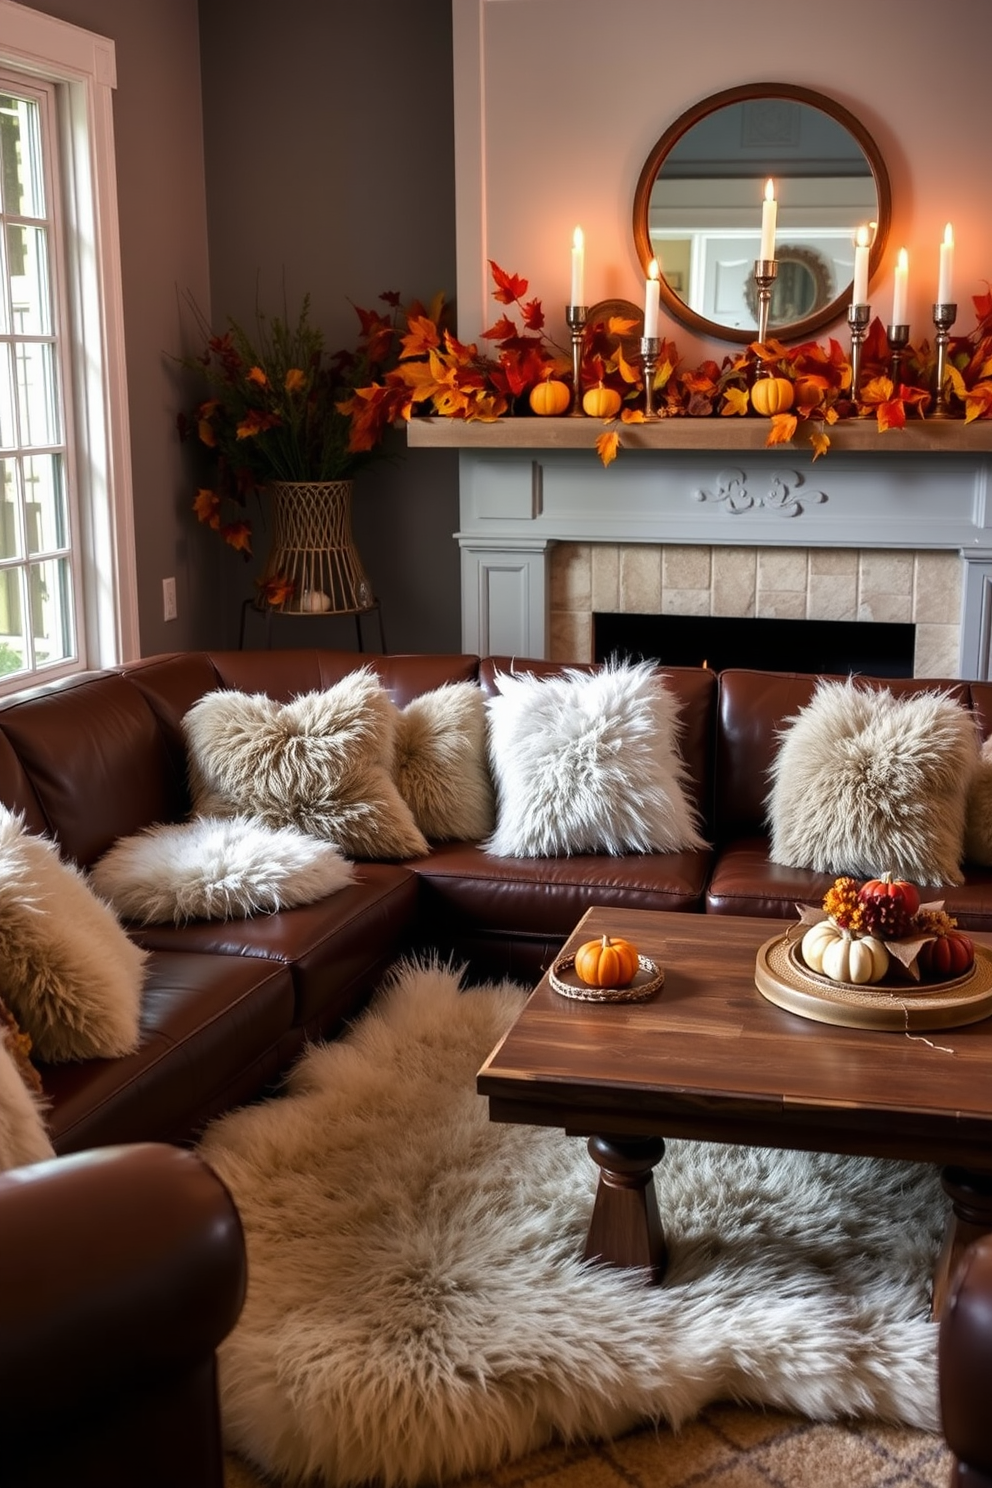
(228, 1005)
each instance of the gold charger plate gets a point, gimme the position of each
(647, 979)
(782, 978)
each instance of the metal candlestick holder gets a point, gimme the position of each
(944, 316)
(576, 317)
(898, 338)
(858, 317)
(650, 352)
(765, 274)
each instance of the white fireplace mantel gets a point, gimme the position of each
(529, 483)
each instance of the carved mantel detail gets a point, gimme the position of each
(738, 495)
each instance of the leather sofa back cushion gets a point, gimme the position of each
(752, 709)
(96, 760)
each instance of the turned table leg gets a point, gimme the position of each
(970, 1194)
(625, 1229)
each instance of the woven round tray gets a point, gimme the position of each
(647, 979)
(781, 976)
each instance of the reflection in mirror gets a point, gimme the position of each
(697, 208)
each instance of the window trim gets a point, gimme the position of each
(82, 65)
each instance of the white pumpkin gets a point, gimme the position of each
(842, 956)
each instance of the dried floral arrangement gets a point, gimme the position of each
(425, 369)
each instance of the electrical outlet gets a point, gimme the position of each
(169, 609)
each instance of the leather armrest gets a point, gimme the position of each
(119, 1264)
(965, 1354)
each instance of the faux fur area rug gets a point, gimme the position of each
(418, 1307)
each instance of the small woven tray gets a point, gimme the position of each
(647, 979)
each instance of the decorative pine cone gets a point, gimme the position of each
(887, 918)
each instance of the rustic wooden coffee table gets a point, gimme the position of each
(708, 1057)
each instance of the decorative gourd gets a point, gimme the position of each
(889, 905)
(950, 955)
(844, 957)
(602, 402)
(550, 397)
(606, 963)
(771, 395)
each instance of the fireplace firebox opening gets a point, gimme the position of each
(838, 647)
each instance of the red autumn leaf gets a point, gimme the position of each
(465, 354)
(607, 446)
(503, 330)
(533, 313)
(390, 297)
(276, 590)
(509, 287)
(238, 536)
(891, 415)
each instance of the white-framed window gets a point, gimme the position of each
(67, 574)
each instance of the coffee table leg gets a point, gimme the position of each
(970, 1194)
(625, 1229)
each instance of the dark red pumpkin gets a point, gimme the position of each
(949, 955)
(889, 905)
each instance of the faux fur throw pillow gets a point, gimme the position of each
(978, 827)
(217, 868)
(865, 782)
(588, 762)
(69, 974)
(442, 769)
(23, 1136)
(322, 762)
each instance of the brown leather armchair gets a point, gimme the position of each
(965, 1356)
(122, 1270)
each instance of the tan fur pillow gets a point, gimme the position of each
(978, 829)
(865, 782)
(322, 762)
(442, 769)
(23, 1135)
(69, 974)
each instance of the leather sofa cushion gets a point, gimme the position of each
(210, 1026)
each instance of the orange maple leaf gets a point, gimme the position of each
(276, 590)
(607, 445)
(782, 429)
(878, 390)
(619, 325)
(820, 442)
(509, 287)
(257, 376)
(421, 337)
(735, 400)
(207, 508)
(501, 331)
(238, 535)
(632, 416)
(978, 402)
(891, 415)
(295, 380)
(255, 422)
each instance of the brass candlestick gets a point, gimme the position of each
(944, 316)
(576, 317)
(650, 352)
(858, 317)
(898, 338)
(765, 274)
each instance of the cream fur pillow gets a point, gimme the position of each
(865, 782)
(441, 766)
(978, 829)
(322, 762)
(217, 869)
(588, 762)
(68, 972)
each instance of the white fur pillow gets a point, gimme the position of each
(865, 782)
(322, 762)
(68, 972)
(217, 869)
(588, 762)
(441, 766)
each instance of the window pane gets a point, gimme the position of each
(45, 514)
(39, 422)
(20, 157)
(27, 266)
(10, 530)
(8, 431)
(50, 600)
(13, 645)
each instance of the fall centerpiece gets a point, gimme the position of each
(607, 969)
(872, 954)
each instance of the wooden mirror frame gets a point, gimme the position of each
(795, 330)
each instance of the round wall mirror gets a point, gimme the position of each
(698, 206)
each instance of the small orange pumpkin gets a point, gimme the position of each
(607, 962)
(771, 395)
(602, 402)
(550, 397)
